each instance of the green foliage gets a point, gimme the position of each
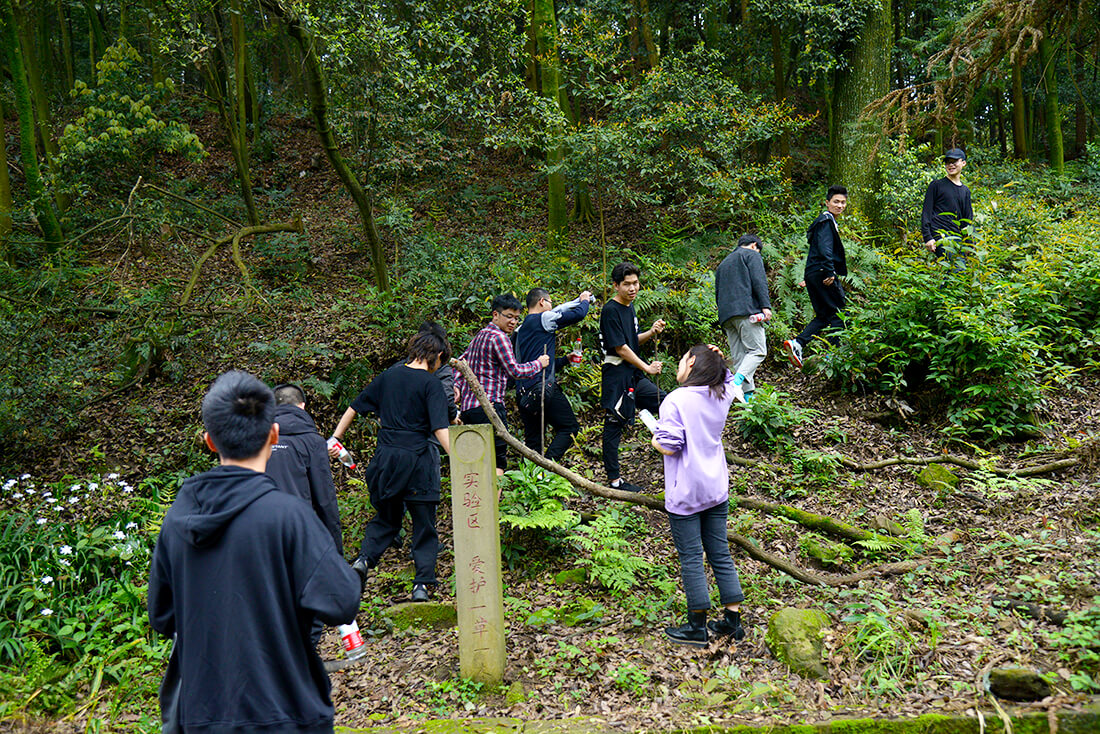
(121, 128)
(609, 561)
(71, 613)
(769, 420)
(988, 484)
(532, 511)
(817, 468)
(1078, 645)
(632, 679)
(448, 694)
(883, 641)
(282, 257)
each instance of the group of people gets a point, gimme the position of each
(249, 567)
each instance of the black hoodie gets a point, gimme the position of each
(300, 466)
(239, 572)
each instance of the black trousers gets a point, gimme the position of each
(827, 302)
(559, 415)
(646, 395)
(474, 416)
(384, 526)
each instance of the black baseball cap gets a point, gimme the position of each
(955, 154)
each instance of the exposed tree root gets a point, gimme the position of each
(1045, 614)
(656, 503)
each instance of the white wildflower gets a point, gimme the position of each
(93, 486)
(30, 490)
(66, 550)
(120, 535)
(47, 580)
(46, 612)
(17, 496)
(25, 476)
(64, 562)
(51, 500)
(73, 500)
(40, 521)
(112, 475)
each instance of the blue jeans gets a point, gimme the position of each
(693, 535)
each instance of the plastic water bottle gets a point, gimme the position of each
(648, 419)
(345, 456)
(354, 647)
(576, 356)
(756, 318)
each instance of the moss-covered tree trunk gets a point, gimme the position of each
(545, 26)
(238, 120)
(1055, 150)
(97, 37)
(865, 78)
(316, 89)
(66, 46)
(779, 80)
(5, 188)
(36, 190)
(1019, 111)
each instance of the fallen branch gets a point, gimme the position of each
(656, 503)
(1027, 471)
(1045, 614)
(234, 240)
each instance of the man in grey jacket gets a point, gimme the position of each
(741, 292)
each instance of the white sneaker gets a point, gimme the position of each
(794, 352)
(739, 393)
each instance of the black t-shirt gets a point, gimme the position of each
(618, 327)
(405, 399)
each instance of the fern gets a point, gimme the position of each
(913, 522)
(609, 560)
(877, 544)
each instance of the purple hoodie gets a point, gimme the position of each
(691, 422)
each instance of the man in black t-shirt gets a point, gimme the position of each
(947, 207)
(623, 383)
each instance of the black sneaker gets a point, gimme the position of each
(628, 487)
(420, 592)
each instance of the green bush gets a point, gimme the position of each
(532, 511)
(769, 419)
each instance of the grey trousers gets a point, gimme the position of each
(748, 347)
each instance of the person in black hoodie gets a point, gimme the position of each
(300, 466)
(239, 572)
(825, 265)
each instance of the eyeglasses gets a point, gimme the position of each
(509, 317)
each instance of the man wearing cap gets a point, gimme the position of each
(947, 206)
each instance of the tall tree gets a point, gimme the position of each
(545, 29)
(864, 79)
(5, 186)
(1055, 147)
(36, 190)
(317, 89)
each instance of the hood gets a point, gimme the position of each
(208, 502)
(293, 421)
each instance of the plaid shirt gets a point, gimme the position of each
(492, 361)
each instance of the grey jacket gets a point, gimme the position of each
(740, 287)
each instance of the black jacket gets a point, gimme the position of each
(300, 466)
(239, 573)
(740, 286)
(826, 251)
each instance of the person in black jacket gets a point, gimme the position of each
(239, 572)
(947, 207)
(741, 293)
(300, 465)
(825, 265)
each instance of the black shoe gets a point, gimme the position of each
(729, 624)
(693, 633)
(359, 565)
(420, 592)
(398, 540)
(628, 487)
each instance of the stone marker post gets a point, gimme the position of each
(477, 554)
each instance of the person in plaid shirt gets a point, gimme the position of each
(493, 360)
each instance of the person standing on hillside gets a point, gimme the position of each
(624, 381)
(239, 571)
(404, 472)
(947, 208)
(826, 263)
(741, 292)
(492, 360)
(300, 466)
(540, 398)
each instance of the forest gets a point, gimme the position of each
(291, 187)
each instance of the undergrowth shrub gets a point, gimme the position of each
(532, 511)
(1078, 645)
(770, 418)
(608, 559)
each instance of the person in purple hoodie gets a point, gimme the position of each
(689, 434)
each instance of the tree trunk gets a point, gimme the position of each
(545, 26)
(156, 62)
(1075, 58)
(779, 78)
(97, 36)
(27, 26)
(998, 106)
(66, 46)
(647, 33)
(318, 98)
(36, 191)
(531, 47)
(866, 78)
(1055, 150)
(5, 187)
(1019, 114)
(239, 125)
